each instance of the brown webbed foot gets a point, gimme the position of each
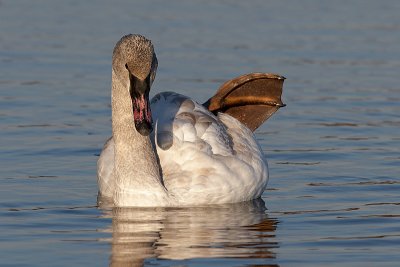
(250, 98)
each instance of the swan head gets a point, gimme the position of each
(135, 64)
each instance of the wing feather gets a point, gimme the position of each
(205, 157)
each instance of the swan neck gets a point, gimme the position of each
(136, 165)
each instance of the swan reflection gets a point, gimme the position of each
(241, 230)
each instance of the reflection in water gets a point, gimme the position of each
(241, 230)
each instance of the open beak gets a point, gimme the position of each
(139, 91)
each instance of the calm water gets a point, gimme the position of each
(333, 152)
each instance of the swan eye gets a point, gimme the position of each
(148, 78)
(126, 66)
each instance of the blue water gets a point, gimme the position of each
(333, 152)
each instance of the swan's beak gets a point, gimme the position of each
(139, 91)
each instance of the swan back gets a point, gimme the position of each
(206, 159)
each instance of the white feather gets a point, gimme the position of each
(204, 159)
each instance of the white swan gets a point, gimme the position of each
(191, 158)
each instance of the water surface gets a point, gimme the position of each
(333, 152)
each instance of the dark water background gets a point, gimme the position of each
(333, 152)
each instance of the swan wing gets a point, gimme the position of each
(205, 159)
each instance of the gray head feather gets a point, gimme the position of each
(136, 53)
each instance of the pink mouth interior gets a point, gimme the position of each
(141, 110)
